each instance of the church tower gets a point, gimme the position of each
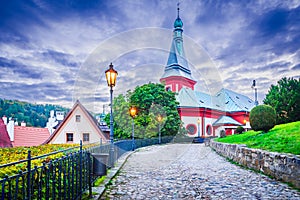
(177, 73)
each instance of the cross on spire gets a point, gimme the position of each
(178, 9)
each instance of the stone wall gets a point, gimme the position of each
(284, 167)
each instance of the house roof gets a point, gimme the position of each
(4, 137)
(29, 136)
(224, 100)
(90, 118)
(226, 120)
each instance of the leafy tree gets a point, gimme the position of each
(285, 99)
(122, 119)
(152, 101)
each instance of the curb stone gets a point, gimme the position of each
(112, 173)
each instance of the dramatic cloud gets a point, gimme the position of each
(57, 51)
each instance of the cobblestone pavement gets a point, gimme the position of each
(190, 171)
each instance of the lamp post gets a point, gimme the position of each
(133, 113)
(255, 92)
(111, 76)
(159, 119)
(198, 122)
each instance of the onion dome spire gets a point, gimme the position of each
(178, 23)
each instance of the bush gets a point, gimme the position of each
(262, 118)
(239, 130)
(222, 134)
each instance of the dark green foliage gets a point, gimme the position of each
(222, 134)
(33, 114)
(239, 130)
(151, 101)
(285, 99)
(262, 118)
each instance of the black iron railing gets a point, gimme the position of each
(66, 177)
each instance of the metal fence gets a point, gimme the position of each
(66, 177)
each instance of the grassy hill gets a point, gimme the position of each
(284, 138)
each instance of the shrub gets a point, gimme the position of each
(262, 118)
(239, 130)
(222, 134)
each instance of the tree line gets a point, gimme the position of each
(32, 114)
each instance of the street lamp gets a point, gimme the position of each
(133, 113)
(159, 119)
(255, 92)
(198, 122)
(111, 76)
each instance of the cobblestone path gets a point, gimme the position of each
(190, 171)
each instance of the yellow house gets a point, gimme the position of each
(78, 125)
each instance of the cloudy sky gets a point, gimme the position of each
(57, 51)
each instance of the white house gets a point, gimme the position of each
(78, 125)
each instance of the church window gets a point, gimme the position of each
(77, 118)
(85, 137)
(191, 128)
(70, 137)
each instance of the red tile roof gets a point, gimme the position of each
(4, 137)
(30, 136)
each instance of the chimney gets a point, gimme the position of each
(23, 123)
(10, 129)
(4, 119)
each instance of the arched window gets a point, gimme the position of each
(191, 128)
(208, 130)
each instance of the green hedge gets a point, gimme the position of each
(262, 118)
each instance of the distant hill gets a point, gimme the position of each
(33, 114)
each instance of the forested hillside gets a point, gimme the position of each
(33, 114)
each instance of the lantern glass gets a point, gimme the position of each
(133, 111)
(159, 118)
(198, 121)
(111, 76)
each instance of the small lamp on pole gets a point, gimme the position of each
(133, 113)
(159, 119)
(111, 76)
(198, 122)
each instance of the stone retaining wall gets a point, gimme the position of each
(284, 167)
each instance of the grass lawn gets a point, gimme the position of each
(284, 138)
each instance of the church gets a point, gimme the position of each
(202, 114)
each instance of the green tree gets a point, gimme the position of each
(122, 119)
(285, 99)
(152, 101)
